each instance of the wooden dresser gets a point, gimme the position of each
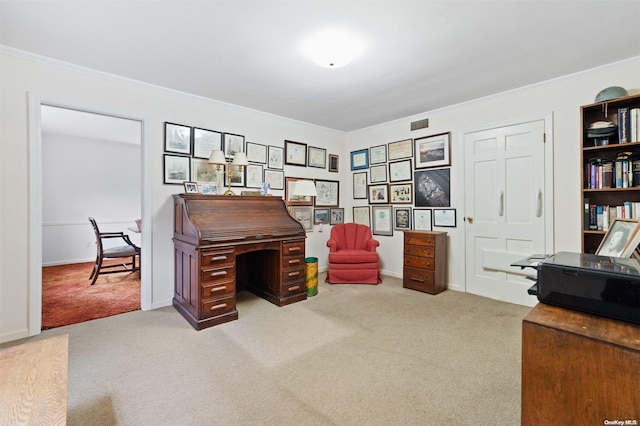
(425, 261)
(224, 244)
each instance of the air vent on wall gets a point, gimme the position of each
(420, 124)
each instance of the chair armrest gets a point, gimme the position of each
(372, 244)
(125, 237)
(332, 244)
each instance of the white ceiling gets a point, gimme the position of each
(420, 55)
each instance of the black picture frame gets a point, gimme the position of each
(176, 169)
(328, 193)
(295, 153)
(177, 138)
(275, 178)
(400, 171)
(433, 151)
(360, 185)
(445, 218)
(256, 152)
(378, 194)
(378, 154)
(205, 141)
(402, 218)
(334, 161)
(316, 157)
(362, 215)
(254, 175)
(233, 143)
(336, 215)
(321, 215)
(276, 157)
(432, 187)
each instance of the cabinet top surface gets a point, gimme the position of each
(425, 232)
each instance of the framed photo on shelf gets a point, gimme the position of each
(378, 154)
(333, 163)
(295, 153)
(400, 171)
(360, 185)
(400, 149)
(320, 216)
(176, 168)
(254, 176)
(402, 218)
(276, 157)
(295, 200)
(275, 178)
(618, 237)
(433, 151)
(362, 215)
(360, 159)
(209, 188)
(379, 194)
(382, 220)
(317, 157)
(205, 141)
(401, 193)
(177, 138)
(422, 220)
(190, 188)
(328, 193)
(378, 174)
(432, 188)
(304, 215)
(232, 144)
(204, 172)
(256, 153)
(336, 216)
(444, 217)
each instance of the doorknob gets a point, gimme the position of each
(469, 219)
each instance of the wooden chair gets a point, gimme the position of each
(125, 251)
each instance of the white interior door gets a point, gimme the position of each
(505, 220)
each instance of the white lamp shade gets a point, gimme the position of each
(304, 187)
(217, 157)
(240, 159)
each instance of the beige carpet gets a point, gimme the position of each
(352, 355)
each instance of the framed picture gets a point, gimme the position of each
(295, 153)
(317, 157)
(432, 188)
(379, 194)
(433, 151)
(402, 218)
(232, 144)
(401, 193)
(378, 173)
(256, 153)
(275, 178)
(320, 216)
(276, 157)
(360, 159)
(177, 169)
(444, 217)
(382, 220)
(362, 215)
(360, 185)
(177, 138)
(336, 216)
(400, 149)
(205, 141)
(400, 171)
(618, 237)
(209, 188)
(254, 176)
(422, 220)
(333, 163)
(378, 154)
(204, 172)
(328, 193)
(190, 187)
(236, 177)
(304, 215)
(295, 200)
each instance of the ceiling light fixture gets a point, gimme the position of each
(332, 48)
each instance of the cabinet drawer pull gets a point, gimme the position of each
(217, 289)
(295, 287)
(294, 248)
(294, 274)
(417, 279)
(294, 261)
(220, 306)
(218, 274)
(216, 258)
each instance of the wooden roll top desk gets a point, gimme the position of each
(224, 244)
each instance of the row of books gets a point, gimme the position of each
(628, 125)
(617, 174)
(600, 217)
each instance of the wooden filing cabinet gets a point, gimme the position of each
(425, 261)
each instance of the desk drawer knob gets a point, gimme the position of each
(294, 248)
(218, 258)
(294, 261)
(294, 274)
(420, 280)
(218, 289)
(218, 274)
(294, 288)
(220, 306)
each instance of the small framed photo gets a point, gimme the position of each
(204, 172)
(256, 153)
(328, 193)
(378, 154)
(317, 157)
(333, 163)
(360, 159)
(304, 215)
(432, 188)
(378, 174)
(402, 218)
(433, 151)
(401, 193)
(177, 169)
(615, 241)
(276, 157)
(382, 220)
(295, 200)
(191, 188)
(379, 194)
(400, 149)
(444, 217)
(233, 143)
(237, 177)
(254, 177)
(177, 138)
(422, 220)
(320, 216)
(275, 178)
(362, 215)
(400, 171)
(209, 188)
(360, 185)
(295, 153)
(205, 141)
(336, 216)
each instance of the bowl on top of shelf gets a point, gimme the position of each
(600, 131)
(610, 93)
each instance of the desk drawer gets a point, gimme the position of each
(291, 288)
(418, 279)
(218, 257)
(422, 251)
(212, 275)
(217, 290)
(420, 262)
(293, 274)
(420, 239)
(213, 308)
(293, 248)
(290, 262)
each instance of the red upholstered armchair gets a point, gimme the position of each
(352, 255)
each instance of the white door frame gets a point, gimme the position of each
(35, 205)
(548, 175)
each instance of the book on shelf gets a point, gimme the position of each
(624, 125)
(634, 128)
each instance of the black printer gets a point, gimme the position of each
(600, 285)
